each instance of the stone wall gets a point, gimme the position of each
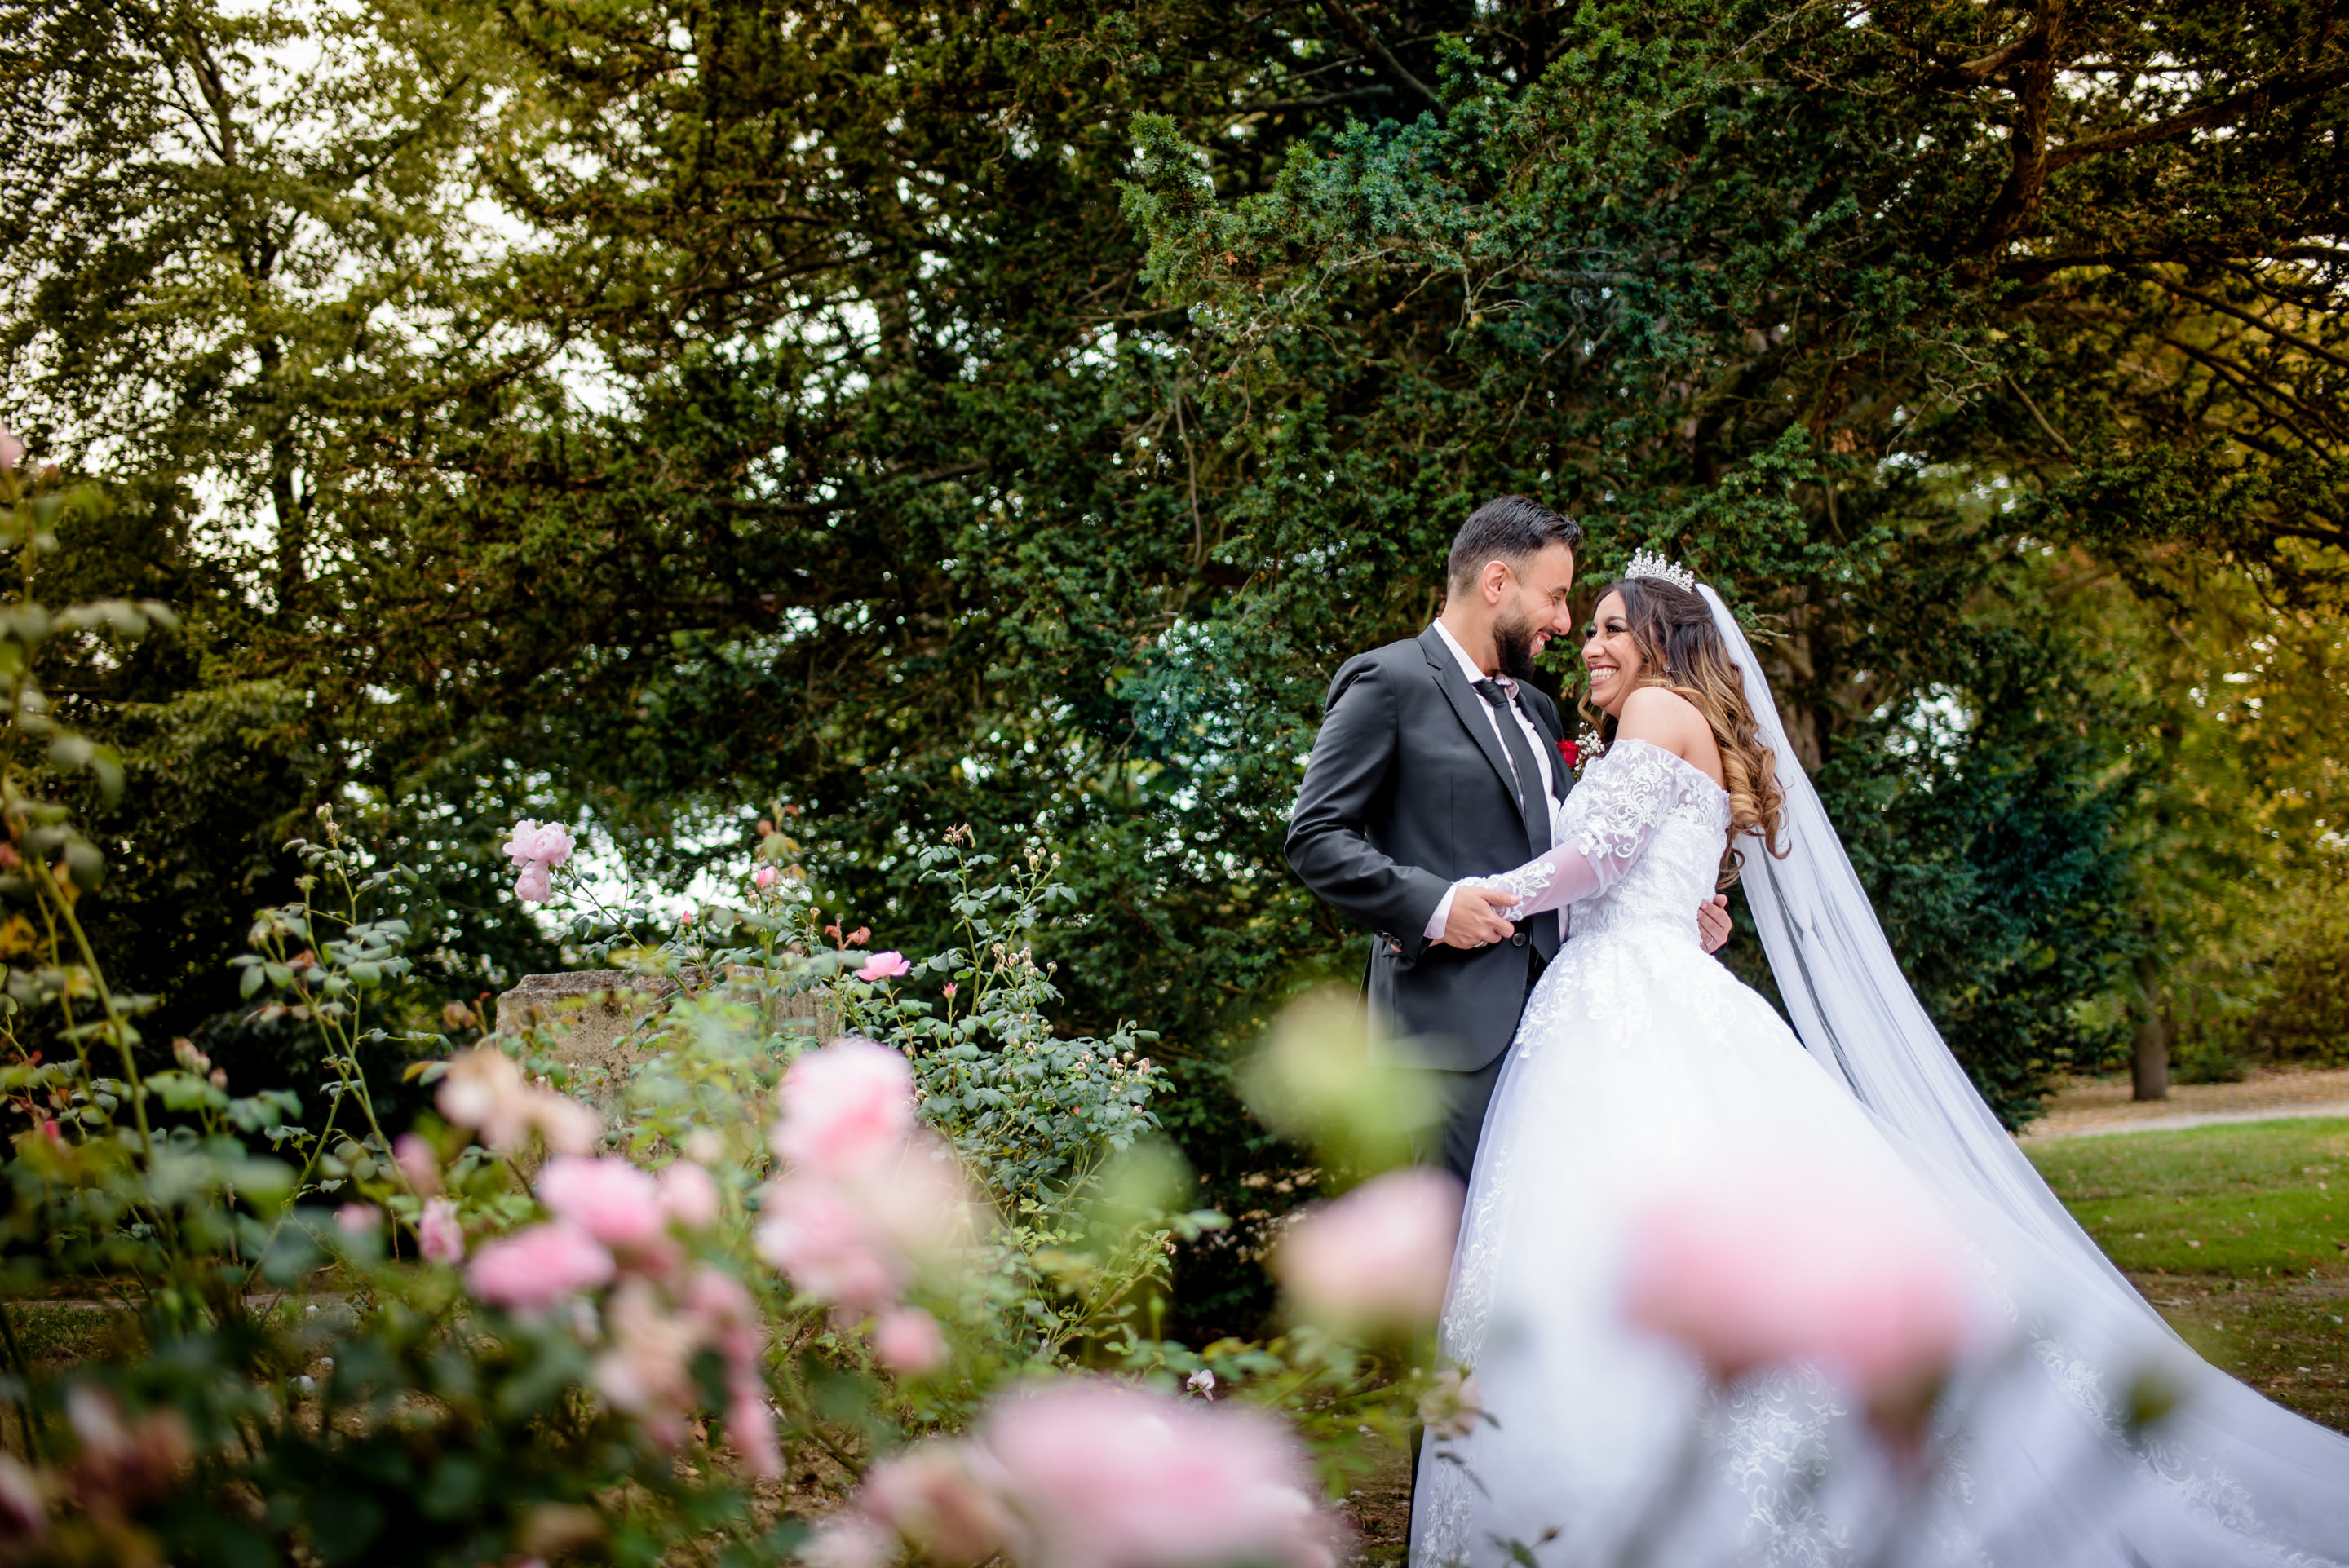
(595, 1009)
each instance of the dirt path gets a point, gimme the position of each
(2090, 1107)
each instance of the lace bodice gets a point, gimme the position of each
(1648, 827)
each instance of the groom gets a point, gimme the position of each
(1437, 760)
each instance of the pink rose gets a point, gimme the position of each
(908, 1341)
(763, 877)
(648, 1370)
(535, 885)
(1377, 1258)
(827, 1245)
(608, 1198)
(552, 845)
(24, 1513)
(440, 1234)
(417, 1162)
(847, 1107)
(1747, 1274)
(1097, 1474)
(12, 450)
(950, 990)
(568, 1127)
(549, 846)
(750, 1428)
(690, 1195)
(484, 1090)
(357, 1220)
(884, 966)
(537, 1267)
(928, 1495)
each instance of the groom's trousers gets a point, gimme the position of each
(1466, 1095)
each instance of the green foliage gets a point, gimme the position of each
(1010, 418)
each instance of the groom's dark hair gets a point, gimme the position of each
(1507, 527)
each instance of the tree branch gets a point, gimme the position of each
(2225, 111)
(1359, 35)
(2243, 316)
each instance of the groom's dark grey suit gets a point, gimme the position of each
(1408, 791)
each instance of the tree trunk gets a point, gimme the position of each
(2149, 1065)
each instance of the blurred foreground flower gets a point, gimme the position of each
(484, 1091)
(1091, 1473)
(1452, 1407)
(1747, 1274)
(1376, 1260)
(539, 1266)
(1326, 1076)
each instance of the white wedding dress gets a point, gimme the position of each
(1641, 1060)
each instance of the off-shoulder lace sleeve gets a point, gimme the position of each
(1601, 829)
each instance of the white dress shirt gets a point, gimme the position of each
(1542, 760)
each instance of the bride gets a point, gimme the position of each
(1640, 1062)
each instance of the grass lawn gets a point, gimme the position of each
(2240, 1234)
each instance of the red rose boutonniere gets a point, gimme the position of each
(1580, 750)
(1572, 753)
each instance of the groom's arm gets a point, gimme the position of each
(1328, 842)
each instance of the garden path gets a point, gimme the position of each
(2087, 1108)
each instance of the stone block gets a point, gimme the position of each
(596, 1011)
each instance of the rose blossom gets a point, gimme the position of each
(536, 1267)
(12, 449)
(1377, 1257)
(548, 846)
(648, 1369)
(440, 1234)
(23, 1514)
(608, 1198)
(884, 966)
(1452, 1406)
(690, 1195)
(926, 1494)
(763, 877)
(1105, 1475)
(484, 1090)
(908, 1342)
(828, 1246)
(847, 1107)
(357, 1220)
(417, 1162)
(1748, 1274)
(535, 885)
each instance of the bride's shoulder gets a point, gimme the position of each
(1670, 722)
(1661, 717)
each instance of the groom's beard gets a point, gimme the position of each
(1514, 642)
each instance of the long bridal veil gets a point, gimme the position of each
(2270, 1486)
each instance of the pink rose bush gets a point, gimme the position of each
(537, 853)
(1091, 1473)
(1376, 1259)
(1748, 1274)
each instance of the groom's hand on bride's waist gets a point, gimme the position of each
(1472, 916)
(1712, 922)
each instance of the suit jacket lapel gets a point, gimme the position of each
(1468, 705)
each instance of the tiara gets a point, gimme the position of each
(1648, 563)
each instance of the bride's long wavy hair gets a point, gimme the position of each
(1682, 650)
